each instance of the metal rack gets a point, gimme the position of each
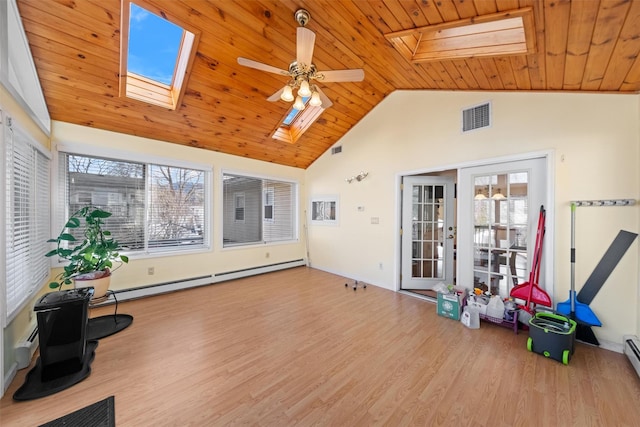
(610, 202)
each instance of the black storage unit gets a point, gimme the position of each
(62, 325)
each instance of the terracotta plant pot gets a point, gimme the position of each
(98, 280)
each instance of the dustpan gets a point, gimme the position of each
(572, 307)
(530, 291)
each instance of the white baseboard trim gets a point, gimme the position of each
(178, 285)
(613, 346)
(11, 374)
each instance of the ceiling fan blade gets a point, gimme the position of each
(276, 96)
(260, 66)
(353, 75)
(305, 44)
(326, 102)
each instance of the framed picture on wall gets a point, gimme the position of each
(324, 210)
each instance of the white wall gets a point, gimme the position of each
(595, 140)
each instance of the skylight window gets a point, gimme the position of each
(154, 44)
(156, 54)
(296, 122)
(293, 113)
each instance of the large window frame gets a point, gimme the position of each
(263, 223)
(148, 247)
(26, 212)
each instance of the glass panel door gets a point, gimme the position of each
(500, 230)
(427, 239)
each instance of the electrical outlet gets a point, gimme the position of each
(267, 255)
(151, 271)
(380, 265)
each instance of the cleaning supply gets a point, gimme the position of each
(470, 317)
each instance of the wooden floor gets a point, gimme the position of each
(298, 348)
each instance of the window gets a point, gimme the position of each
(239, 197)
(296, 122)
(27, 217)
(268, 210)
(154, 207)
(156, 56)
(269, 194)
(324, 210)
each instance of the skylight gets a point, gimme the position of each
(293, 113)
(296, 122)
(156, 54)
(154, 44)
(498, 34)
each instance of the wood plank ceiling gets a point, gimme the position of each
(582, 45)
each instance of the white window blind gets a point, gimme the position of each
(27, 217)
(268, 211)
(154, 207)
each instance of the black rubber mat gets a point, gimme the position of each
(104, 326)
(99, 414)
(607, 264)
(38, 384)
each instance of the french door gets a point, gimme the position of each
(501, 205)
(427, 232)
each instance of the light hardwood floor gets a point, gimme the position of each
(298, 348)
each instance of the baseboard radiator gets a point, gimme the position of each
(25, 349)
(177, 285)
(632, 350)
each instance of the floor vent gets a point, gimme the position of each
(336, 150)
(26, 348)
(477, 117)
(632, 350)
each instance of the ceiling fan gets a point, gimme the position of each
(303, 73)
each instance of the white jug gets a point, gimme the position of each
(470, 317)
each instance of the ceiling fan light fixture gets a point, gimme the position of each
(287, 94)
(315, 99)
(298, 105)
(304, 90)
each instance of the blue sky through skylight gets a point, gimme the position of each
(154, 43)
(293, 113)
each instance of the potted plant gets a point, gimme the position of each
(90, 262)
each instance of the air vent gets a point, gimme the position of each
(336, 150)
(476, 117)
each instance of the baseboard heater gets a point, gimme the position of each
(26, 348)
(632, 350)
(177, 285)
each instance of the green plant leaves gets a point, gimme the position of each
(72, 223)
(96, 252)
(98, 213)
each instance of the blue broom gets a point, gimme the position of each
(572, 307)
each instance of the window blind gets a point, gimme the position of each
(268, 212)
(27, 217)
(153, 207)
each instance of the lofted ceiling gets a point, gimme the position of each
(581, 45)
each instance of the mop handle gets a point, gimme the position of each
(573, 257)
